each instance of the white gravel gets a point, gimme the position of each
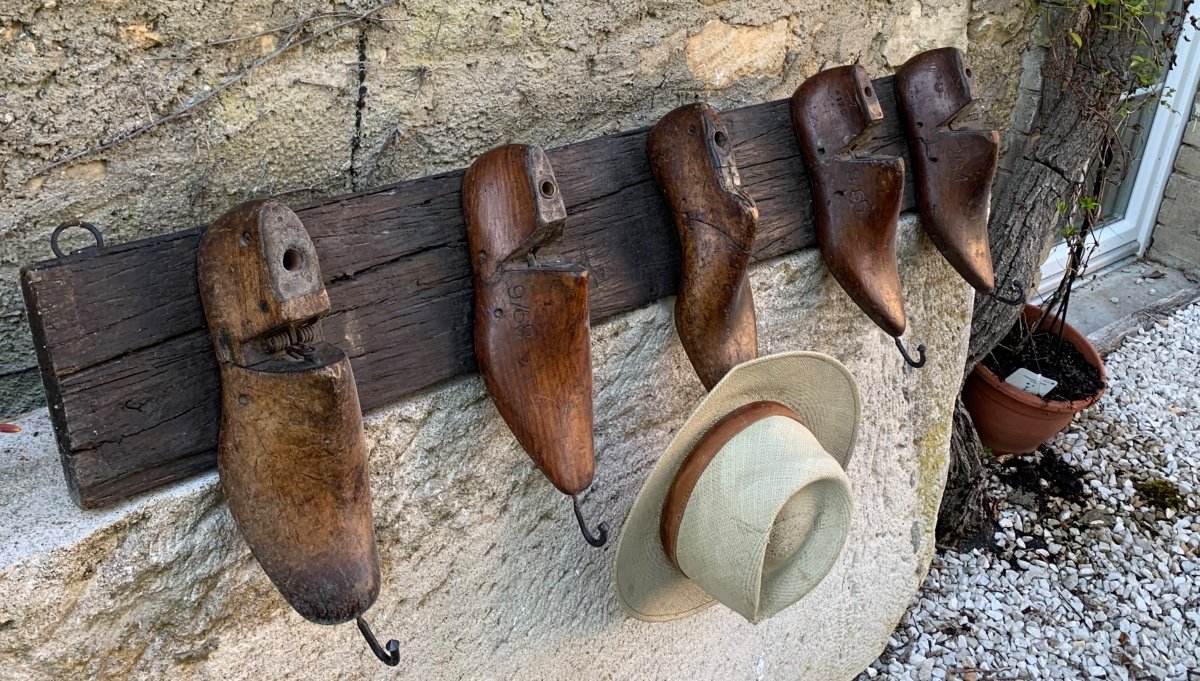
(1107, 587)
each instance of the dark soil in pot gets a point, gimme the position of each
(1049, 356)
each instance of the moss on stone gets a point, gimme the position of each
(933, 455)
(1161, 494)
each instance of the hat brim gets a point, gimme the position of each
(822, 393)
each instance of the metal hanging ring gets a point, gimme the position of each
(917, 364)
(1019, 299)
(587, 535)
(392, 656)
(67, 225)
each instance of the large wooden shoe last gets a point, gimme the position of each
(532, 333)
(691, 154)
(292, 457)
(955, 165)
(857, 194)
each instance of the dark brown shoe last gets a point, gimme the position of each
(857, 195)
(955, 166)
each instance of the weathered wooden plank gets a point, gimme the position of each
(120, 332)
(96, 308)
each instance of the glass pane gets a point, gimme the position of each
(1121, 174)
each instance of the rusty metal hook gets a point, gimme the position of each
(1018, 300)
(392, 657)
(908, 358)
(74, 223)
(587, 535)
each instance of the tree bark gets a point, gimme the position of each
(965, 519)
(1078, 104)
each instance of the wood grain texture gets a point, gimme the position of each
(693, 163)
(293, 457)
(532, 337)
(858, 193)
(125, 357)
(954, 164)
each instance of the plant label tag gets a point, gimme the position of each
(1030, 382)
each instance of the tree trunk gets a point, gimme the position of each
(1078, 105)
(965, 491)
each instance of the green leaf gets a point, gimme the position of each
(1076, 38)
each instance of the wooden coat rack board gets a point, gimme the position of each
(125, 356)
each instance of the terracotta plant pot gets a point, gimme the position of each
(1012, 421)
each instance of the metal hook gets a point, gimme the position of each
(908, 358)
(1018, 300)
(74, 223)
(392, 657)
(587, 535)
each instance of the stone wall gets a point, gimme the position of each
(485, 574)
(441, 83)
(1177, 233)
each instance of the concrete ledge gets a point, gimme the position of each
(484, 571)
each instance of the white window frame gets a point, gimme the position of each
(1130, 235)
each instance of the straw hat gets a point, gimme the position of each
(751, 496)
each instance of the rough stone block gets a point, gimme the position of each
(924, 27)
(1179, 243)
(720, 54)
(1191, 133)
(1182, 186)
(484, 572)
(998, 22)
(1183, 213)
(1188, 161)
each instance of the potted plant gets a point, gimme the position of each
(1044, 371)
(1013, 420)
